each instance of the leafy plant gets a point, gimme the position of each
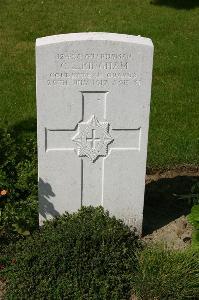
(167, 274)
(193, 217)
(84, 255)
(18, 177)
(193, 196)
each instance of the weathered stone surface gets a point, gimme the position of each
(93, 99)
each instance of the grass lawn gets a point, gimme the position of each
(172, 25)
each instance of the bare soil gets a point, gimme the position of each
(165, 213)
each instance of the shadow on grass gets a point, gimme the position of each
(28, 125)
(161, 205)
(178, 4)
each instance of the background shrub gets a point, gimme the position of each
(85, 255)
(18, 177)
(167, 274)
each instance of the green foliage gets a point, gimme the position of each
(193, 196)
(195, 193)
(167, 274)
(193, 218)
(84, 255)
(18, 177)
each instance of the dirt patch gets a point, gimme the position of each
(185, 170)
(176, 235)
(165, 212)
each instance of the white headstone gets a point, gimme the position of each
(93, 101)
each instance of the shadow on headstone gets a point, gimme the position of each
(178, 4)
(162, 202)
(45, 206)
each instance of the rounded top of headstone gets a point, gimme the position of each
(96, 36)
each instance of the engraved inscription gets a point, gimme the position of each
(94, 69)
(93, 138)
(73, 55)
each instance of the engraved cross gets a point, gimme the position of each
(93, 139)
(101, 145)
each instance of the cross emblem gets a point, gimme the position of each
(93, 140)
